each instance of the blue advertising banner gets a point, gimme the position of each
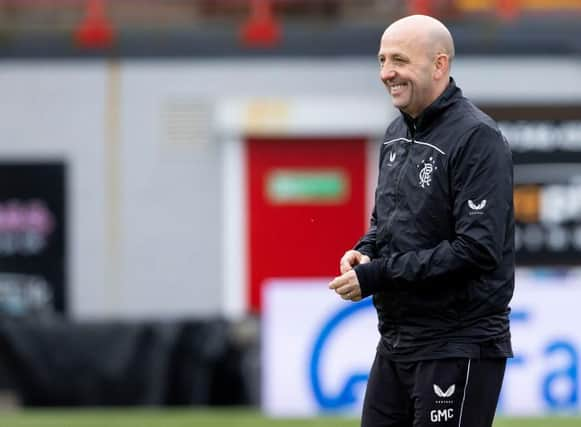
(317, 349)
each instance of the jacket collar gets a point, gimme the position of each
(450, 95)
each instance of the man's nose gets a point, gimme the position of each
(387, 73)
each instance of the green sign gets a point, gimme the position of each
(312, 186)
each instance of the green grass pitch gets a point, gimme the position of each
(209, 418)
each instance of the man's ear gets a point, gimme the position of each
(441, 66)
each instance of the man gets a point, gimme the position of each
(438, 257)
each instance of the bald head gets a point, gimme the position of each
(434, 37)
(414, 56)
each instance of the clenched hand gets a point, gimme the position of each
(347, 286)
(350, 259)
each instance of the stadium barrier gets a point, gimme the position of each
(54, 362)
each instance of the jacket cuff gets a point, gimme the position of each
(369, 277)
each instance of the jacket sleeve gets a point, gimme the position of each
(481, 187)
(366, 245)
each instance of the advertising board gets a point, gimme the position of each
(318, 349)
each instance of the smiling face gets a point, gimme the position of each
(412, 67)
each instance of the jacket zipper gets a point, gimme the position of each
(400, 175)
(396, 207)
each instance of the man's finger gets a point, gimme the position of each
(344, 267)
(347, 262)
(343, 290)
(336, 282)
(346, 292)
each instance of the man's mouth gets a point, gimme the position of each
(397, 88)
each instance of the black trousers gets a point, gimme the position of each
(444, 392)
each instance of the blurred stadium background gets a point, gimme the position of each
(179, 179)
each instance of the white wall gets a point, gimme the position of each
(55, 110)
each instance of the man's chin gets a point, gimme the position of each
(399, 105)
(399, 102)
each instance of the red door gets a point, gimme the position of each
(306, 207)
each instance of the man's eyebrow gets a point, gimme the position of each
(392, 55)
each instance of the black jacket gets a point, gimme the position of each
(441, 238)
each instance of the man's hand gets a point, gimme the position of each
(351, 259)
(347, 286)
